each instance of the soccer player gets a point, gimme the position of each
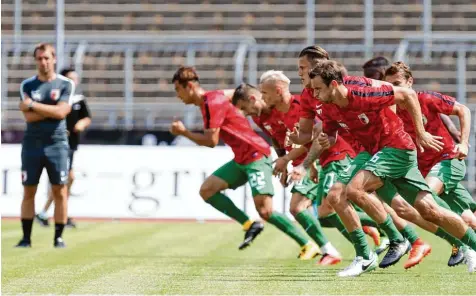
(310, 108)
(375, 69)
(45, 103)
(364, 111)
(252, 162)
(444, 169)
(76, 122)
(277, 122)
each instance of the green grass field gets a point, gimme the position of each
(192, 258)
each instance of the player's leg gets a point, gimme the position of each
(31, 166)
(329, 218)
(419, 248)
(229, 176)
(260, 178)
(371, 228)
(414, 189)
(358, 191)
(70, 223)
(299, 209)
(444, 179)
(42, 217)
(365, 259)
(56, 163)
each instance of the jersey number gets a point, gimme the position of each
(257, 180)
(375, 157)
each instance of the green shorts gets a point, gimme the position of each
(306, 188)
(400, 167)
(459, 199)
(328, 176)
(346, 174)
(259, 174)
(450, 172)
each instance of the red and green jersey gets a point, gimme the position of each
(368, 118)
(431, 104)
(312, 108)
(235, 130)
(341, 147)
(279, 125)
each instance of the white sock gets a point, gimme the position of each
(328, 248)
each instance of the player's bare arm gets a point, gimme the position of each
(58, 111)
(31, 116)
(451, 127)
(209, 138)
(407, 99)
(282, 162)
(82, 124)
(464, 115)
(303, 134)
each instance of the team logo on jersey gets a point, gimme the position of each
(318, 109)
(268, 128)
(425, 121)
(36, 95)
(54, 94)
(363, 118)
(24, 176)
(343, 125)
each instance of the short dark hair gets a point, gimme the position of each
(67, 70)
(185, 74)
(314, 54)
(44, 47)
(328, 71)
(375, 68)
(243, 92)
(399, 67)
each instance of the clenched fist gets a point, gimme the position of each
(177, 128)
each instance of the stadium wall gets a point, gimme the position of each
(134, 183)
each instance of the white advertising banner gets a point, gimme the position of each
(134, 182)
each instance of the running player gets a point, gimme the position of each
(445, 169)
(277, 123)
(45, 102)
(364, 111)
(76, 122)
(252, 162)
(375, 69)
(312, 108)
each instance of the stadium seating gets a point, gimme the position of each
(270, 22)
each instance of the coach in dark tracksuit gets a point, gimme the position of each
(45, 103)
(76, 121)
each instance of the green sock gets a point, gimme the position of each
(469, 239)
(224, 204)
(360, 243)
(448, 237)
(409, 233)
(365, 219)
(390, 229)
(287, 226)
(312, 227)
(333, 220)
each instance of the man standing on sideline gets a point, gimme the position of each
(45, 102)
(76, 122)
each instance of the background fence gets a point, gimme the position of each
(126, 51)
